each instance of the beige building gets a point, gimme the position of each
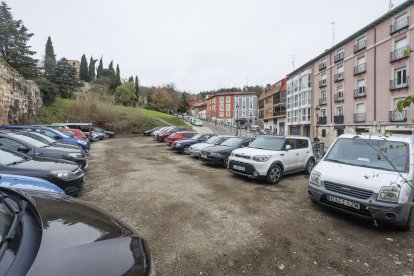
(75, 63)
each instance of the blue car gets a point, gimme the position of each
(18, 182)
(54, 134)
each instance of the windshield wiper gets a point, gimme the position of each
(18, 162)
(18, 213)
(337, 161)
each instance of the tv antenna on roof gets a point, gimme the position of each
(293, 61)
(333, 32)
(390, 5)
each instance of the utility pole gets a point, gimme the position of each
(333, 33)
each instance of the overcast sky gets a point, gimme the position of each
(196, 44)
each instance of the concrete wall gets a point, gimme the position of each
(19, 98)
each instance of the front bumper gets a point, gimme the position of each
(71, 186)
(216, 160)
(370, 208)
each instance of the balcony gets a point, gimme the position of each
(399, 83)
(395, 116)
(400, 24)
(322, 101)
(360, 45)
(339, 57)
(279, 112)
(322, 83)
(322, 120)
(360, 92)
(359, 69)
(339, 119)
(339, 76)
(339, 97)
(359, 117)
(322, 66)
(400, 53)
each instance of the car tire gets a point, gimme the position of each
(185, 150)
(309, 166)
(274, 175)
(408, 226)
(226, 161)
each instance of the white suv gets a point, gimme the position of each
(269, 157)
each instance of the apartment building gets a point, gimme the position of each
(232, 106)
(199, 110)
(356, 84)
(299, 94)
(272, 107)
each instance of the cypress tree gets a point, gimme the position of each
(83, 71)
(50, 57)
(137, 87)
(117, 76)
(91, 71)
(99, 70)
(131, 78)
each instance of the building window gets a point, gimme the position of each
(221, 107)
(244, 103)
(221, 99)
(221, 114)
(323, 112)
(227, 106)
(339, 111)
(323, 132)
(227, 113)
(401, 43)
(244, 113)
(228, 99)
(251, 103)
(400, 76)
(250, 113)
(360, 108)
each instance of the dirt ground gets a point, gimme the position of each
(202, 220)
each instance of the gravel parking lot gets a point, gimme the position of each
(201, 220)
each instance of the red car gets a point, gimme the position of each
(73, 133)
(162, 136)
(180, 135)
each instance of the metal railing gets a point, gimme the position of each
(360, 45)
(322, 120)
(400, 53)
(395, 116)
(339, 97)
(360, 92)
(400, 24)
(339, 57)
(359, 117)
(322, 101)
(322, 66)
(398, 83)
(339, 119)
(322, 83)
(359, 69)
(339, 76)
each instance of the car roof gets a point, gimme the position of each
(186, 131)
(390, 137)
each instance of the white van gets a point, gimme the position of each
(369, 176)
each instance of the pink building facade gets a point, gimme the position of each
(357, 83)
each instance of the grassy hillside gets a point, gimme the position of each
(115, 117)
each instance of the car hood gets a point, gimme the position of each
(44, 164)
(201, 145)
(187, 142)
(361, 177)
(66, 145)
(253, 151)
(61, 149)
(219, 148)
(80, 239)
(18, 182)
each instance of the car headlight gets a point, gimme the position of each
(178, 144)
(216, 154)
(82, 142)
(315, 178)
(63, 174)
(74, 155)
(389, 194)
(261, 158)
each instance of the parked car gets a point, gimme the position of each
(65, 174)
(183, 145)
(180, 135)
(162, 136)
(86, 128)
(75, 133)
(54, 134)
(19, 141)
(54, 234)
(18, 182)
(105, 133)
(195, 150)
(155, 132)
(150, 131)
(368, 176)
(270, 157)
(219, 154)
(197, 122)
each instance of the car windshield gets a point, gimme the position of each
(196, 137)
(31, 141)
(69, 133)
(268, 143)
(213, 140)
(373, 153)
(39, 137)
(9, 157)
(232, 142)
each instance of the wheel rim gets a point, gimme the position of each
(274, 174)
(311, 165)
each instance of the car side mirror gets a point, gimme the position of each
(57, 137)
(288, 147)
(23, 149)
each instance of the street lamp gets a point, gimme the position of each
(237, 119)
(317, 108)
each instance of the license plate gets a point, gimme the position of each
(203, 156)
(344, 202)
(240, 168)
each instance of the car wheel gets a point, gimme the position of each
(274, 174)
(309, 166)
(226, 161)
(408, 226)
(185, 150)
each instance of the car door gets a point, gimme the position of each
(291, 156)
(302, 146)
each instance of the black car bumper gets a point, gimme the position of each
(70, 186)
(212, 159)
